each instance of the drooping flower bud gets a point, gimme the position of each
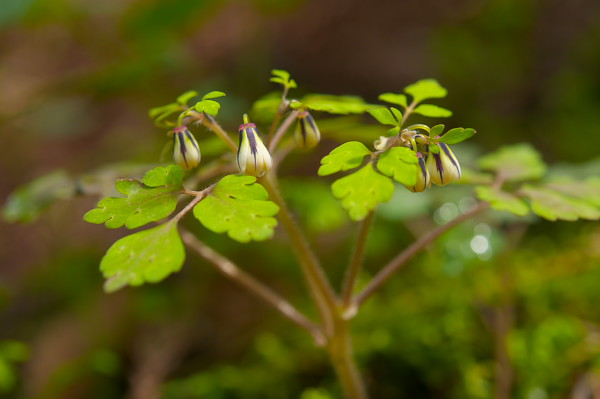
(253, 158)
(443, 167)
(307, 133)
(423, 178)
(186, 152)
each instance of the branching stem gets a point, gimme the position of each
(282, 129)
(357, 259)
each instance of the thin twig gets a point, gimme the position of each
(399, 261)
(233, 272)
(282, 129)
(198, 196)
(357, 259)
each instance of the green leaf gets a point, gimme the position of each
(433, 111)
(455, 136)
(361, 191)
(436, 130)
(424, 89)
(383, 116)
(152, 199)
(144, 257)
(29, 201)
(213, 94)
(397, 114)
(187, 96)
(265, 108)
(349, 155)
(164, 109)
(393, 131)
(392, 98)
(515, 163)
(399, 163)
(553, 205)
(587, 190)
(341, 105)
(434, 148)
(283, 77)
(502, 200)
(238, 206)
(208, 106)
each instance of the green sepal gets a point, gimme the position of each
(518, 162)
(552, 205)
(502, 201)
(432, 111)
(424, 89)
(349, 155)
(399, 163)
(455, 136)
(361, 191)
(393, 98)
(152, 199)
(238, 206)
(147, 256)
(185, 97)
(208, 106)
(384, 116)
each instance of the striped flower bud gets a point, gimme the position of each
(423, 178)
(443, 167)
(253, 158)
(186, 152)
(307, 133)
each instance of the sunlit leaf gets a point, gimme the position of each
(213, 94)
(432, 111)
(399, 163)
(502, 200)
(238, 206)
(187, 96)
(361, 191)
(349, 155)
(342, 105)
(553, 205)
(424, 89)
(455, 136)
(149, 200)
(515, 163)
(208, 106)
(383, 116)
(392, 98)
(144, 257)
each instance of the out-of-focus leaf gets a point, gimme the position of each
(436, 130)
(149, 200)
(283, 77)
(587, 190)
(148, 256)
(187, 96)
(392, 98)
(424, 89)
(238, 206)
(341, 105)
(349, 155)
(515, 163)
(455, 136)
(433, 111)
(361, 191)
(553, 205)
(502, 200)
(383, 116)
(28, 202)
(399, 163)
(265, 108)
(213, 94)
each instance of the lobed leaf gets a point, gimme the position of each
(455, 136)
(399, 163)
(502, 201)
(392, 98)
(383, 116)
(553, 205)
(361, 191)
(432, 111)
(208, 106)
(424, 89)
(152, 199)
(515, 163)
(349, 155)
(238, 206)
(148, 256)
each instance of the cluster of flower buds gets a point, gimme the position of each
(438, 168)
(186, 152)
(307, 134)
(253, 158)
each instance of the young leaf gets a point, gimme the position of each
(397, 114)
(502, 200)
(187, 96)
(213, 94)
(349, 155)
(455, 136)
(208, 106)
(152, 199)
(361, 191)
(424, 89)
(552, 205)
(515, 163)
(283, 77)
(433, 111)
(436, 130)
(341, 105)
(399, 163)
(392, 98)
(238, 206)
(383, 116)
(144, 257)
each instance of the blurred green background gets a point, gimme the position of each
(501, 308)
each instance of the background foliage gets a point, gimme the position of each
(500, 299)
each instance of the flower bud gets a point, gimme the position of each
(307, 133)
(186, 152)
(253, 158)
(423, 178)
(443, 167)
